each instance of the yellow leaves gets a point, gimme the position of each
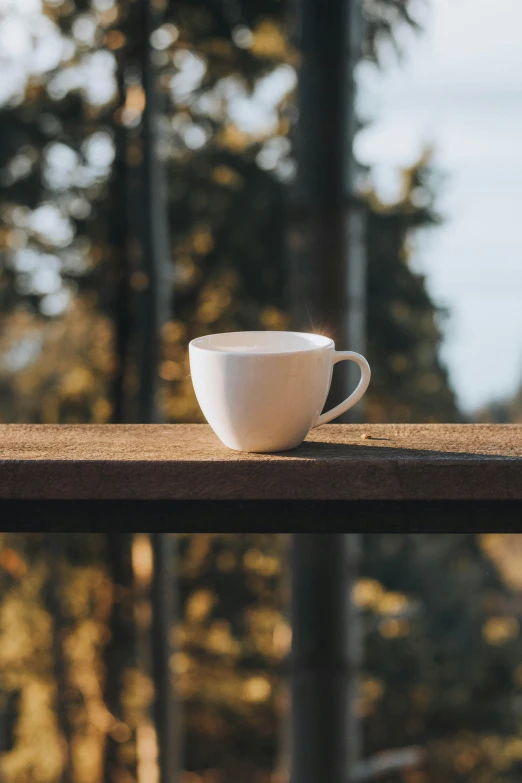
(142, 559)
(269, 42)
(394, 629)
(173, 331)
(468, 752)
(170, 371)
(214, 302)
(114, 40)
(202, 240)
(256, 689)
(135, 99)
(513, 748)
(265, 565)
(138, 693)
(220, 641)
(211, 668)
(11, 562)
(268, 633)
(230, 137)
(282, 639)
(24, 625)
(367, 593)
(392, 603)
(195, 555)
(77, 382)
(217, 47)
(179, 663)
(68, 371)
(500, 630)
(272, 318)
(38, 753)
(226, 561)
(183, 407)
(466, 760)
(101, 411)
(493, 747)
(371, 691)
(228, 177)
(505, 550)
(85, 757)
(12, 238)
(199, 606)
(186, 271)
(88, 587)
(147, 754)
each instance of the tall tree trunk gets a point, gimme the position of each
(324, 660)
(55, 544)
(119, 231)
(120, 652)
(164, 604)
(156, 296)
(320, 236)
(121, 243)
(140, 231)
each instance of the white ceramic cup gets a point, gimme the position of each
(264, 391)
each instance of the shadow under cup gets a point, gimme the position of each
(261, 391)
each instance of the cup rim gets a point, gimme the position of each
(323, 342)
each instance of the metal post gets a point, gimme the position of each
(324, 658)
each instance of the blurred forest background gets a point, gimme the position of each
(440, 690)
(81, 309)
(93, 329)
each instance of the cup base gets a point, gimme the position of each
(263, 450)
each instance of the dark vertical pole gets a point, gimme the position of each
(139, 225)
(156, 299)
(121, 650)
(323, 662)
(355, 228)
(163, 599)
(55, 545)
(117, 284)
(119, 245)
(320, 199)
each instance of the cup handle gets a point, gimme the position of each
(356, 395)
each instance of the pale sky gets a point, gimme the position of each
(460, 88)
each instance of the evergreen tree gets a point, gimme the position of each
(409, 382)
(506, 411)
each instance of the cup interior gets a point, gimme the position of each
(261, 342)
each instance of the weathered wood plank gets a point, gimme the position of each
(187, 462)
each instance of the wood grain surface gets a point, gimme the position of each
(187, 462)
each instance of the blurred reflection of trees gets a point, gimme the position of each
(441, 618)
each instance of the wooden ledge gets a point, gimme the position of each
(187, 462)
